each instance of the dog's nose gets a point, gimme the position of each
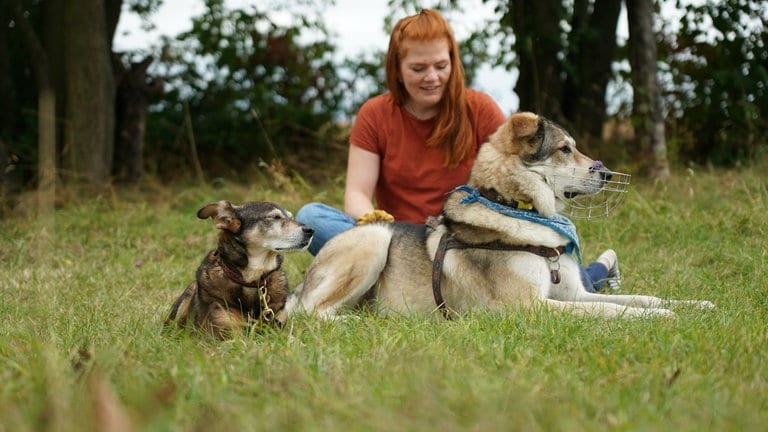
(605, 173)
(308, 230)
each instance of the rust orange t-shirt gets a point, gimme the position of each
(413, 180)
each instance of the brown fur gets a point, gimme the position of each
(251, 239)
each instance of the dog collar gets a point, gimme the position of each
(237, 278)
(494, 196)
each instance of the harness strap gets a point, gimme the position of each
(437, 272)
(449, 242)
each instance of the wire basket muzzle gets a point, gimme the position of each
(612, 189)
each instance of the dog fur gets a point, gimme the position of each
(224, 297)
(392, 262)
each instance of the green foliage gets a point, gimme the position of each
(144, 7)
(254, 89)
(245, 87)
(87, 309)
(718, 70)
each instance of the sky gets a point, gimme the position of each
(357, 25)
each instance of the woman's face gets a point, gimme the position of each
(425, 71)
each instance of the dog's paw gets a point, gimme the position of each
(703, 304)
(640, 312)
(662, 312)
(700, 304)
(375, 216)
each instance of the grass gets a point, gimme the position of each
(82, 311)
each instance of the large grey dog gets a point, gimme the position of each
(498, 243)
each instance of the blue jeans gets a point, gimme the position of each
(594, 276)
(328, 221)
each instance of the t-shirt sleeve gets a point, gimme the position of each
(489, 116)
(364, 129)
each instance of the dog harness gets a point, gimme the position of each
(447, 241)
(558, 223)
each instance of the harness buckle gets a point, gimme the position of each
(554, 267)
(267, 314)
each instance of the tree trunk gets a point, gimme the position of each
(537, 43)
(646, 104)
(591, 50)
(90, 104)
(8, 99)
(53, 38)
(572, 90)
(134, 92)
(7, 106)
(46, 115)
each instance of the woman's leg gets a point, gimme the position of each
(325, 220)
(605, 269)
(594, 276)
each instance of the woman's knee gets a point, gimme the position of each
(310, 213)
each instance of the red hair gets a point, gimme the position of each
(453, 132)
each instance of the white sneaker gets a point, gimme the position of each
(611, 261)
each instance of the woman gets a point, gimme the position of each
(413, 144)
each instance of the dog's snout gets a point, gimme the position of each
(605, 173)
(307, 230)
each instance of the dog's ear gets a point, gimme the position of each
(224, 216)
(525, 126)
(518, 133)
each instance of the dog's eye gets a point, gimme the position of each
(566, 150)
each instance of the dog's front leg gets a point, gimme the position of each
(570, 294)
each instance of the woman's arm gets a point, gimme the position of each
(362, 175)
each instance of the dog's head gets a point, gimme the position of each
(532, 159)
(258, 224)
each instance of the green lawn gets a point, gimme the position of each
(82, 312)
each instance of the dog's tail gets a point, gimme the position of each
(180, 308)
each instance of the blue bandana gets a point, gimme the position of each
(560, 224)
